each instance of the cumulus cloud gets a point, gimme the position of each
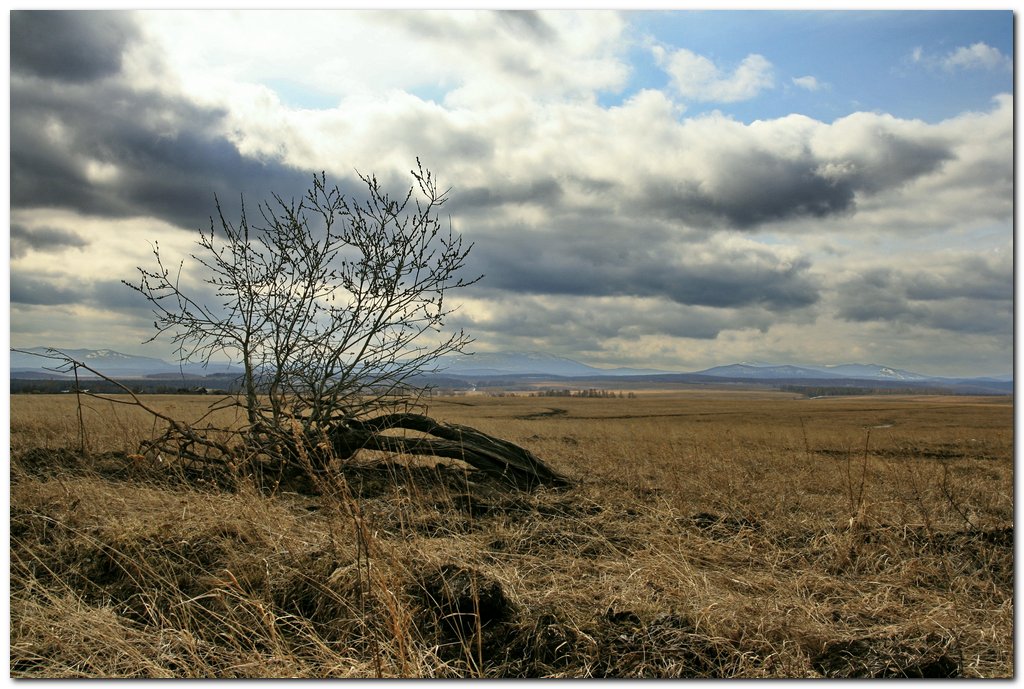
(536, 54)
(745, 176)
(808, 82)
(966, 180)
(874, 153)
(976, 56)
(698, 78)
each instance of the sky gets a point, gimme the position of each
(672, 189)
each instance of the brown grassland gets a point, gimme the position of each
(707, 535)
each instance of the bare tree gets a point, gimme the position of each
(333, 308)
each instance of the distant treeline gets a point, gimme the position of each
(145, 387)
(841, 390)
(592, 392)
(214, 385)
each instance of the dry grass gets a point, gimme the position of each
(708, 535)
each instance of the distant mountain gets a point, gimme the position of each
(871, 371)
(470, 367)
(758, 371)
(26, 364)
(528, 363)
(765, 372)
(995, 379)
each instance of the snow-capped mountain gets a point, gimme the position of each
(108, 362)
(762, 371)
(750, 371)
(871, 371)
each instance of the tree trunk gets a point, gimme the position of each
(508, 461)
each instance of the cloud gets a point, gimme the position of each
(541, 191)
(103, 293)
(966, 276)
(536, 55)
(966, 168)
(698, 78)
(43, 239)
(710, 171)
(108, 149)
(966, 294)
(72, 47)
(809, 83)
(875, 153)
(718, 273)
(750, 189)
(599, 326)
(37, 291)
(976, 56)
(530, 22)
(745, 176)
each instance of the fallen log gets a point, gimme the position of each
(500, 458)
(494, 456)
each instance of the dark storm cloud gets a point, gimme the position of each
(973, 298)
(571, 263)
(756, 195)
(542, 192)
(48, 290)
(101, 147)
(69, 46)
(35, 291)
(168, 156)
(44, 239)
(746, 189)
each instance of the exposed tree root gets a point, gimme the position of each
(494, 456)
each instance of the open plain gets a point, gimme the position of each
(708, 534)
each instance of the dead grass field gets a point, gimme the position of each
(708, 535)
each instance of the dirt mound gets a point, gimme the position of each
(881, 657)
(122, 467)
(618, 644)
(44, 462)
(466, 610)
(669, 645)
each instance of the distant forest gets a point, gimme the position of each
(140, 386)
(218, 384)
(846, 390)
